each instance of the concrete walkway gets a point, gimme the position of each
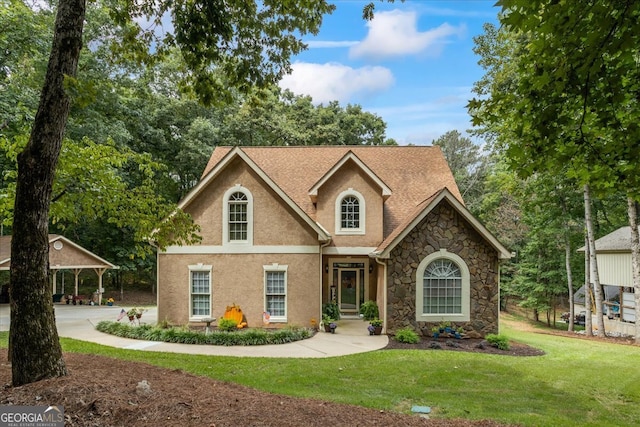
(79, 322)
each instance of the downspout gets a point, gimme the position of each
(322, 246)
(384, 297)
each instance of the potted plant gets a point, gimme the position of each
(458, 333)
(131, 313)
(110, 301)
(135, 312)
(329, 323)
(375, 326)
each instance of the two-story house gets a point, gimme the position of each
(286, 229)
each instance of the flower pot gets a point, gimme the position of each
(138, 316)
(377, 330)
(131, 318)
(436, 335)
(327, 328)
(109, 304)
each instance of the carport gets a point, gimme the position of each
(64, 254)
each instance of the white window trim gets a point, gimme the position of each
(225, 216)
(466, 289)
(338, 213)
(207, 268)
(271, 268)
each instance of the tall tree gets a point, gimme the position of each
(468, 164)
(570, 103)
(215, 38)
(35, 349)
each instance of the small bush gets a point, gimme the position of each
(227, 325)
(498, 341)
(331, 310)
(407, 335)
(369, 310)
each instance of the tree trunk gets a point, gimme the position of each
(635, 260)
(35, 348)
(588, 324)
(567, 263)
(593, 270)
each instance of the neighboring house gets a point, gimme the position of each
(64, 254)
(613, 255)
(287, 229)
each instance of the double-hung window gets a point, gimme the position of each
(275, 290)
(200, 291)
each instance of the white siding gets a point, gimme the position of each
(615, 269)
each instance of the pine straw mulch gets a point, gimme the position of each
(101, 391)
(466, 345)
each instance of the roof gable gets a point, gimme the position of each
(407, 175)
(228, 155)
(349, 156)
(422, 210)
(63, 253)
(616, 241)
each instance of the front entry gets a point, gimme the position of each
(350, 280)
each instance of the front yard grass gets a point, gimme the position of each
(578, 382)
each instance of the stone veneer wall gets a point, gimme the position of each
(443, 228)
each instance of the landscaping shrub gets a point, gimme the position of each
(331, 310)
(227, 325)
(498, 341)
(407, 335)
(369, 310)
(182, 335)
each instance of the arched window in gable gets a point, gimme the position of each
(350, 213)
(237, 220)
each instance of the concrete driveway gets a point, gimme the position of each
(78, 322)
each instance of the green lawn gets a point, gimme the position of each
(578, 382)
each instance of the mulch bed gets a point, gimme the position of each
(101, 391)
(467, 345)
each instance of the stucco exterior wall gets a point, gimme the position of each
(274, 223)
(239, 279)
(443, 228)
(351, 176)
(237, 273)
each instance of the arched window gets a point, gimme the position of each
(238, 217)
(350, 213)
(237, 220)
(442, 288)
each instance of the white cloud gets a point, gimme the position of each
(333, 81)
(395, 33)
(330, 44)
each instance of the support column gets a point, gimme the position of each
(99, 272)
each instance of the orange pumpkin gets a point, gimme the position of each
(233, 312)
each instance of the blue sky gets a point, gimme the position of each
(413, 65)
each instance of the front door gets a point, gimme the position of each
(348, 294)
(350, 278)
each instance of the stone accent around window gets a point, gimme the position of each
(444, 228)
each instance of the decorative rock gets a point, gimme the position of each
(143, 388)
